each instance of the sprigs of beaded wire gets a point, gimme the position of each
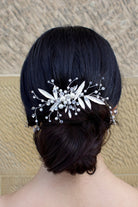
(74, 93)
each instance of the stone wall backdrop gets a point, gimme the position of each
(21, 22)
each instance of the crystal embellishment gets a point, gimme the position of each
(71, 99)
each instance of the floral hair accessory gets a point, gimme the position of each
(70, 100)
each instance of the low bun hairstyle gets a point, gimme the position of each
(62, 53)
(74, 145)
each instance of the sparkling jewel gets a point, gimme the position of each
(72, 95)
(33, 115)
(71, 89)
(73, 101)
(61, 94)
(61, 121)
(115, 111)
(66, 99)
(62, 98)
(60, 106)
(65, 102)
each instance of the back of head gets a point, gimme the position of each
(63, 53)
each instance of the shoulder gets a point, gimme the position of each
(128, 195)
(133, 192)
(6, 200)
(2, 201)
(120, 194)
(131, 196)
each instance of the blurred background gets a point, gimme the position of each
(21, 23)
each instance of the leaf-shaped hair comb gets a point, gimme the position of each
(72, 99)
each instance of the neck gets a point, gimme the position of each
(46, 182)
(43, 177)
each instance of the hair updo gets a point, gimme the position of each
(62, 53)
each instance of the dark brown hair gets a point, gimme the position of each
(62, 53)
(73, 146)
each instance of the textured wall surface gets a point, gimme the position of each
(21, 22)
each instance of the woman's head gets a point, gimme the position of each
(62, 53)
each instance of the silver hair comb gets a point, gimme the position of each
(70, 99)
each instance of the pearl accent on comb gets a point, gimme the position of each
(70, 100)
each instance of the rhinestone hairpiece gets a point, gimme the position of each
(70, 99)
